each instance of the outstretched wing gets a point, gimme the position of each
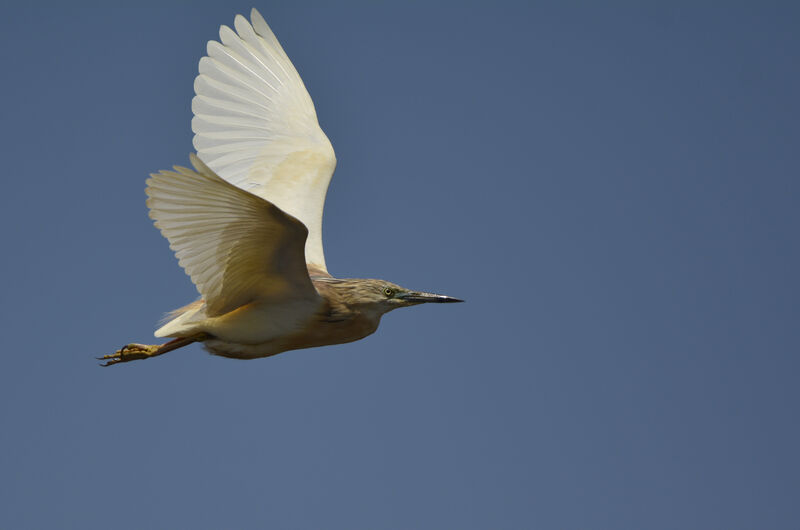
(236, 247)
(256, 127)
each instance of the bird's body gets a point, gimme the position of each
(333, 322)
(260, 330)
(246, 222)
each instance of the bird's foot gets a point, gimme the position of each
(131, 352)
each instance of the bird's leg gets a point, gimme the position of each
(134, 352)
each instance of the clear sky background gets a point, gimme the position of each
(612, 188)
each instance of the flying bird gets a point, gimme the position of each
(246, 222)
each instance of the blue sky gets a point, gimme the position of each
(613, 189)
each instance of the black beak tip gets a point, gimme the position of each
(444, 299)
(421, 298)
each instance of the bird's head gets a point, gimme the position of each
(385, 296)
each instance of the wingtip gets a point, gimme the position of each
(226, 32)
(260, 25)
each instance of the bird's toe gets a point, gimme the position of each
(129, 352)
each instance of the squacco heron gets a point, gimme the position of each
(246, 222)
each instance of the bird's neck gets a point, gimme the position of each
(342, 302)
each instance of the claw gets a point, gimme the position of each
(129, 352)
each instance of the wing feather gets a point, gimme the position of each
(256, 127)
(237, 247)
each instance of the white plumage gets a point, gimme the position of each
(255, 126)
(257, 137)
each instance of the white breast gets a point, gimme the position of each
(259, 323)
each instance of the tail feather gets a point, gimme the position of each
(182, 321)
(175, 313)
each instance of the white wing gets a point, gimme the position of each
(236, 247)
(256, 127)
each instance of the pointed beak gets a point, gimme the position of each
(415, 297)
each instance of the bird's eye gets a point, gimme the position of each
(388, 292)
